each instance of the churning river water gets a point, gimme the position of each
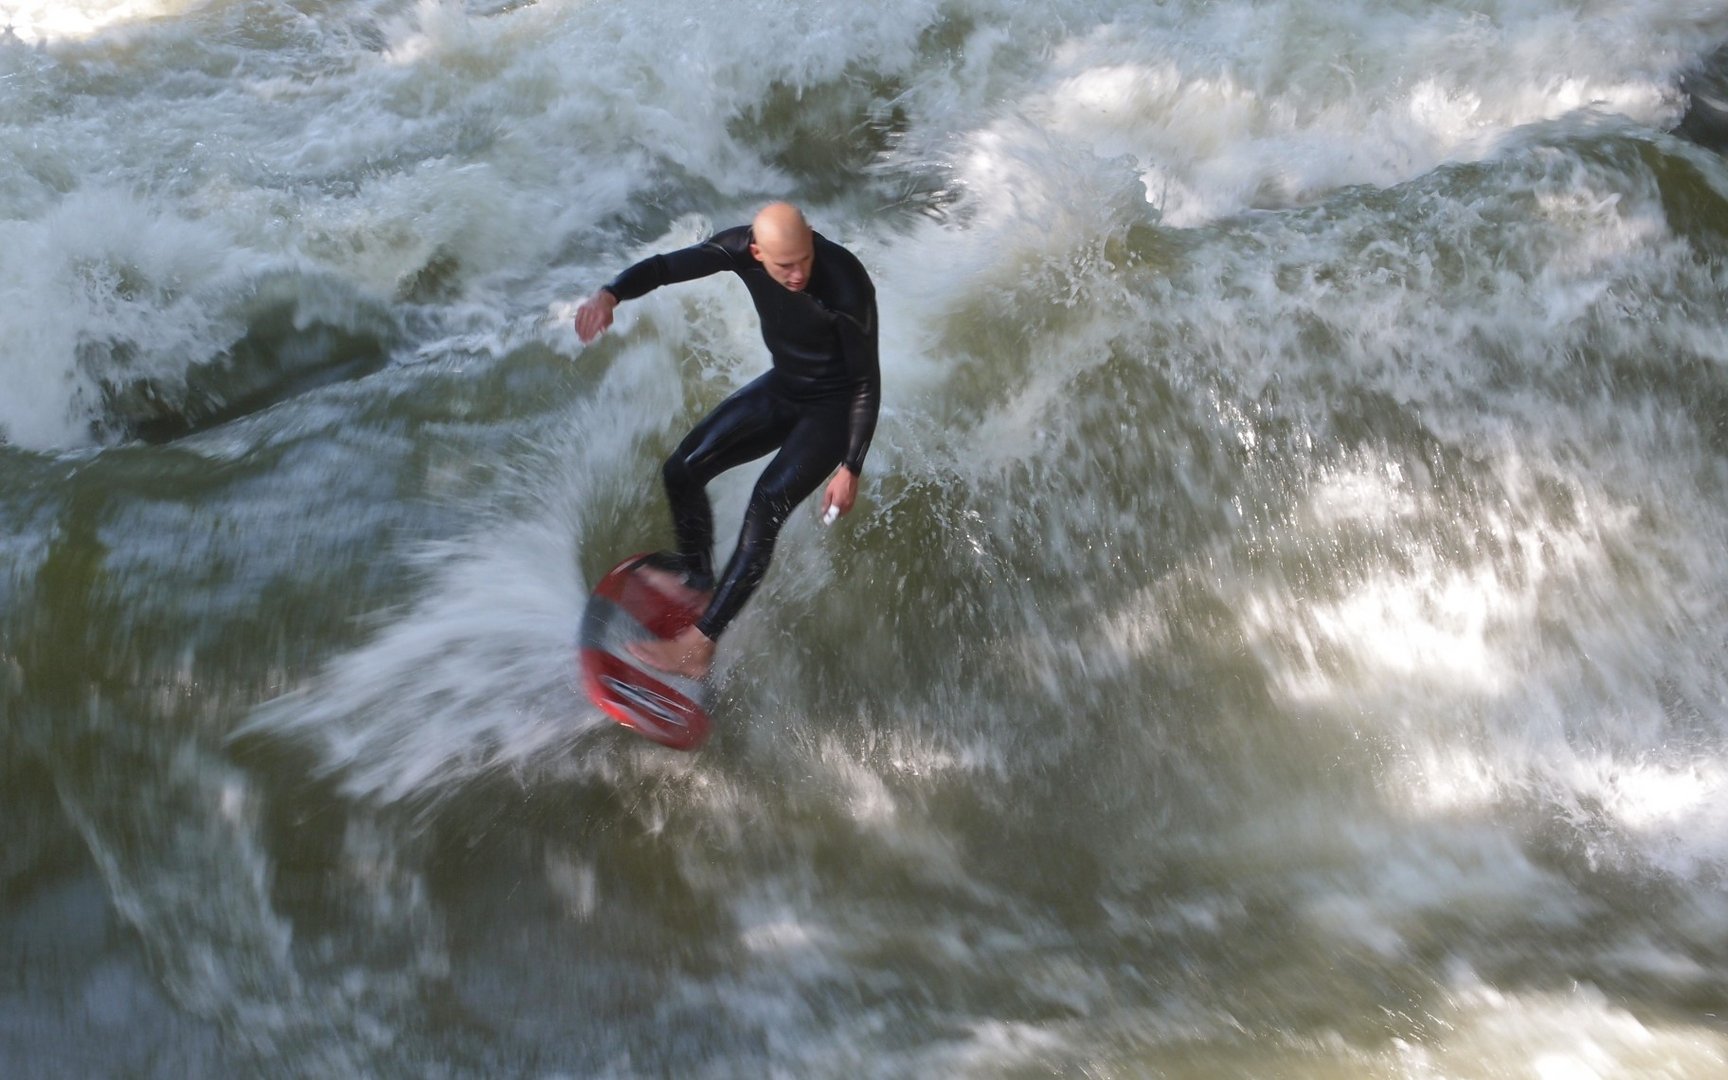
(1284, 632)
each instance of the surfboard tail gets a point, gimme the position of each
(626, 607)
(648, 705)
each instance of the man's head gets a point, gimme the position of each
(782, 242)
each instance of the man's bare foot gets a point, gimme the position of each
(690, 654)
(672, 585)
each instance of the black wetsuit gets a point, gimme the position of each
(817, 405)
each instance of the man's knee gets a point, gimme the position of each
(677, 474)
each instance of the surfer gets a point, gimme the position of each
(816, 405)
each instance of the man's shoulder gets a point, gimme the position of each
(848, 284)
(838, 253)
(735, 242)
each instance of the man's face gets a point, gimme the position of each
(787, 260)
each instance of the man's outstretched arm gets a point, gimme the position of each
(594, 315)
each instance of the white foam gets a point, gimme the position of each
(1563, 1034)
(496, 136)
(1233, 107)
(105, 286)
(476, 677)
(1667, 816)
(478, 674)
(61, 20)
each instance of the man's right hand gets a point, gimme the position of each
(595, 315)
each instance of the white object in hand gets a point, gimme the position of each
(832, 515)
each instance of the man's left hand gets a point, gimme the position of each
(842, 492)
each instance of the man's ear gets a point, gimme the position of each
(755, 253)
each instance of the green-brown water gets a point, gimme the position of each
(1282, 635)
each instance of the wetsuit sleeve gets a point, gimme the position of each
(685, 264)
(858, 351)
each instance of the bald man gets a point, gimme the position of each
(815, 408)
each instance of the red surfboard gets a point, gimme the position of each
(625, 607)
